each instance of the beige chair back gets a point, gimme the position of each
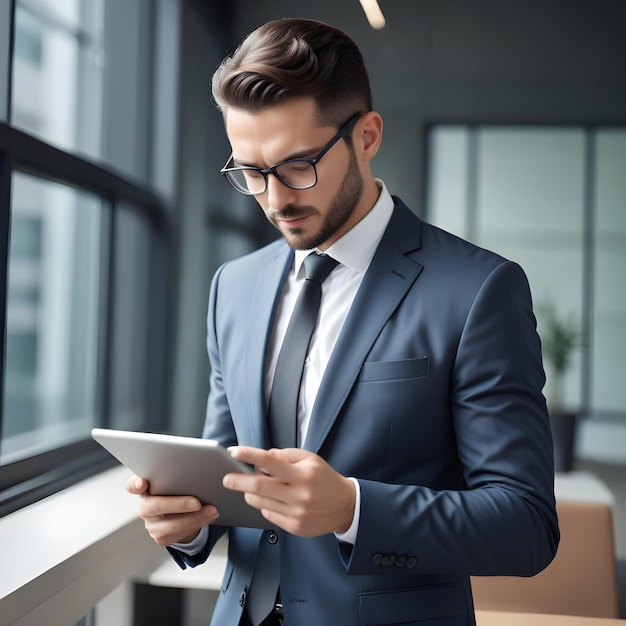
(581, 580)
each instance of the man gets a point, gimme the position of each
(422, 453)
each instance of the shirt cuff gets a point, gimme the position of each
(196, 545)
(350, 535)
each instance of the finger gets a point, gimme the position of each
(260, 491)
(275, 462)
(292, 455)
(252, 456)
(259, 483)
(153, 506)
(179, 527)
(268, 504)
(282, 519)
(136, 485)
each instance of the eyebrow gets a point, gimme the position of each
(308, 154)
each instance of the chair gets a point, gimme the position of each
(581, 580)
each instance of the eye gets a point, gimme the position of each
(299, 166)
(252, 174)
(295, 168)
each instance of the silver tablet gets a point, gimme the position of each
(183, 466)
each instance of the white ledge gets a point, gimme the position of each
(61, 555)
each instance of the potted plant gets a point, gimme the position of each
(560, 336)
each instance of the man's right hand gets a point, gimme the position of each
(170, 519)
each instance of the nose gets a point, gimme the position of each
(279, 195)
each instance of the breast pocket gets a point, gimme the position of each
(394, 370)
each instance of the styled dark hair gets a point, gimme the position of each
(292, 58)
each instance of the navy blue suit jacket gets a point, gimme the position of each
(431, 399)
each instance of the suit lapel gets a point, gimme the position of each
(389, 277)
(261, 322)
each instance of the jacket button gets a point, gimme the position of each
(389, 560)
(377, 559)
(242, 597)
(411, 562)
(272, 537)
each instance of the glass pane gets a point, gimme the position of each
(531, 210)
(53, 312)
(58, 72)
(131, 320)
(448, 179)
(609, 316)
(531, 182)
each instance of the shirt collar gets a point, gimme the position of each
(356, 248)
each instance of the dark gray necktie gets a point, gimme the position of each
(283, 406)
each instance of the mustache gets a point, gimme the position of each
(291, 211)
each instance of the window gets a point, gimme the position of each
(609, 263)
(84, 244)
(53, 314)
(58, 72)
(552, 199)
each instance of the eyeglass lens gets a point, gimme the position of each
(295, 174)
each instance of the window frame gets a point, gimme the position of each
(7, 12)
(26, 481)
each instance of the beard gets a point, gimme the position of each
(341, 208)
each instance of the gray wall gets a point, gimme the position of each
(477, 60)
(554, 61)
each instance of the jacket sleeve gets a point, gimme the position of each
(503, 522)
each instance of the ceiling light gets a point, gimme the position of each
(373, 13)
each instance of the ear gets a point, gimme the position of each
(369, 134)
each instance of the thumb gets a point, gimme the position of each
(136, 485)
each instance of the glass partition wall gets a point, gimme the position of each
(554, 200)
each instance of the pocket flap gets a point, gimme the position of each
(412, 605)
(394, 370)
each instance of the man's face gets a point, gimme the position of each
(307, 218)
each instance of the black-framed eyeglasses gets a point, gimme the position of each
(294, 173)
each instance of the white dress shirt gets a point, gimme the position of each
(354, 251)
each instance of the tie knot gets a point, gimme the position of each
(318, 266)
